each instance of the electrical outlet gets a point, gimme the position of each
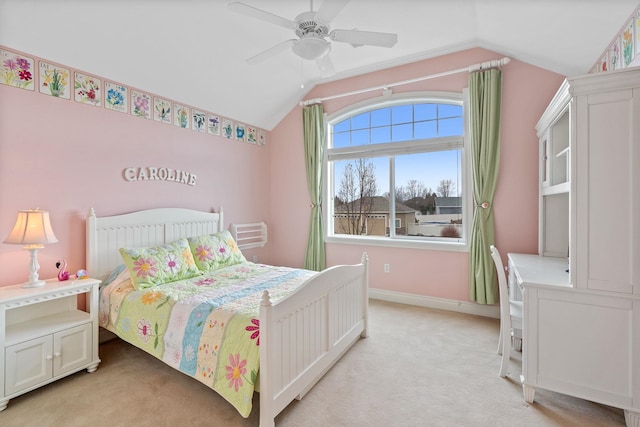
(255, 258)
(387, 268)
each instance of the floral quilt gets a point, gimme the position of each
(206, 326)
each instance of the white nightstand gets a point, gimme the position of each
(44, 336)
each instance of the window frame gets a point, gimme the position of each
(436, 243)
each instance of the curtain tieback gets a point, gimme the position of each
(483, 205)
(314, 205)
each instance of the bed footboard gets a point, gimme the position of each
(302, 336)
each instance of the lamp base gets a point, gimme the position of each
(34, 284)
(33, 268)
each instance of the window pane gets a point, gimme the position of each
(360, 137)
(381, 117)
(361, 121)
(380, 135)
(381, 171)
(342, 126)
(447, 110)
(424, 112)
(402, 114)
(450, 127)
(358, 207)
(418, 177)
(402, 132)
(422, 130)
(342, 139)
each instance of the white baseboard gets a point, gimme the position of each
(438, 303)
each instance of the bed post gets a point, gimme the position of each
(221, 220)
(267, 417)
(90, 241)
(365, 292)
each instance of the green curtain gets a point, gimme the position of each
(485, 95)
(313, 128)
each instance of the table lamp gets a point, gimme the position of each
(33, 230)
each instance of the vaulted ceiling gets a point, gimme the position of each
(195, 51)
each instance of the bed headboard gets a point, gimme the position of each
(106, 235)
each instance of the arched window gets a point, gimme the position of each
(396, 172)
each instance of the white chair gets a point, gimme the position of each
(510, 314)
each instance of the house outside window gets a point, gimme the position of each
(396, 172)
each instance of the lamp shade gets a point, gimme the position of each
(311, 48)
(32, 227)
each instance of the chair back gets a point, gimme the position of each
(502, 285)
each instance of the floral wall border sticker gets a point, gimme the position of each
(228, 130)
(87, 89)
(16, 70)
(241, 132)
(615, 61)
(252, 136)
(636, 25)
(628, 50)
(181, 116)
(624, 50)
(604, 62)
(140, 104)
(116, 97)
(213, 124)
(54, 80)
(161, 110)
(198, 121)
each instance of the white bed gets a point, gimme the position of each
(301, 336)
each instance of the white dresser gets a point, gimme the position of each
(581, 326)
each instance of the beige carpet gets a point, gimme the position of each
(419, 367)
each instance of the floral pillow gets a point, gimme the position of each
(160, 264)
(215, 251)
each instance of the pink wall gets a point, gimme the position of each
(67, 157)
(526, 92)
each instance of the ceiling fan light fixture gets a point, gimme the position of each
(311, 48)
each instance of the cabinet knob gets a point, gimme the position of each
(49, 357)
(57, 354)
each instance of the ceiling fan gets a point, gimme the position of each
(313, 29)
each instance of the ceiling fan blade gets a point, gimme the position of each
(260, 14)
(271, 51)
(364, 38)
(329, 10)
(325, 65)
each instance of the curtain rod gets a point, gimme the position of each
(471, 68)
